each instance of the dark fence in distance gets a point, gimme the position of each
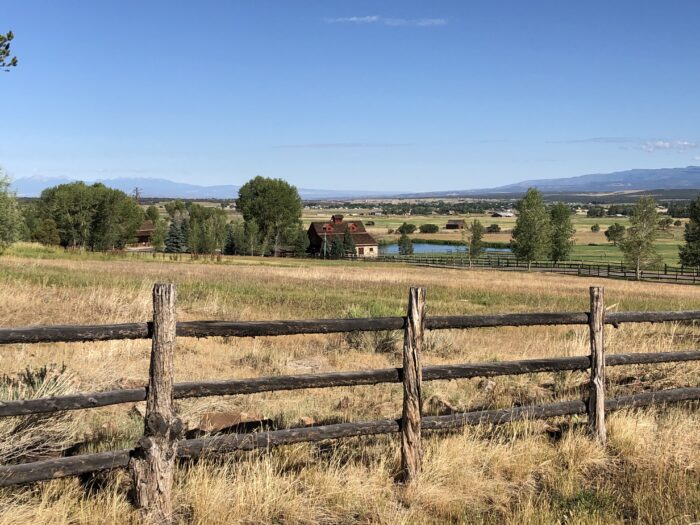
(666, 274)
(163, 440)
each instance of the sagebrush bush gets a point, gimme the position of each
(37, 436)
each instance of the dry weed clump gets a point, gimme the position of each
(38, 436)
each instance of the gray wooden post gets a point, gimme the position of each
(596, 398)
(154, 460)
(411, 446)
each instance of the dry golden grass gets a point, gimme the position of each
(532, 472)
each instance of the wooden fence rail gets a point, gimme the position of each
(152, 461)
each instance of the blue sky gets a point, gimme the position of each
(402, 95)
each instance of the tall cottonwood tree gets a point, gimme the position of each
(531, 238)
(638, 244)
(274, 205)
(562, 232)
(475, 233)
(690, 252)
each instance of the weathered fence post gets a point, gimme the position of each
(596, 398)
(154, 460)
(411, 446)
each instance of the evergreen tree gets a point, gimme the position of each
(531, 238)
(562, 231)
(337, 248)
(690, 251)
(301, 243)
(405, 245)
(349, 247)
(638, 244)
(175, 240)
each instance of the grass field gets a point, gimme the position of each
(532, 472)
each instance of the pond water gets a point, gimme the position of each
(424, 247)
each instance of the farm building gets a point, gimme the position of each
(455, 224)
(503, 214)
(145, 232)
(321, 233)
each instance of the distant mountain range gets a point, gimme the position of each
(630, 180)
(618, 182)
(33, 186)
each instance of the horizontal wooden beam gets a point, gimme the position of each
(62, 467)
(192, 448)
(333, 379)
(48, 334)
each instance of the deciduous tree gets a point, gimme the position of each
(531, 237)
(10, 216)
(690, 251)
(638, 244)
(562, 231)
(273, 204)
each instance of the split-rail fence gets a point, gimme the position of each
(152, 461)
(662, 274)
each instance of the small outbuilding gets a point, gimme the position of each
(455, 224)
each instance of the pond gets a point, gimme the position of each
(424, 247)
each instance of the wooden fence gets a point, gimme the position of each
(665, 274)
(152, 462)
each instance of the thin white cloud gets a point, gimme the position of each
(395, 22)
(638, 143)
(353, 20)
(669, 145)
(329, 145)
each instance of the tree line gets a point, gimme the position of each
(97, 218)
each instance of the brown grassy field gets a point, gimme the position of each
(532, 472)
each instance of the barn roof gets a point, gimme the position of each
(146, 227)
(332, 229)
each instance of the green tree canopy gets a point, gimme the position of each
(429, 228)
(349, 244)
(615, 233)
(94, 217)
(638, 244)
(406, 228)
(6, 61)
(405, 245)
(337, 248)
(476, 239)
(531, 237)
(207, 229)
(273, 204)
(690, 252)
(152, 213)
(10, 216)
(562, 232)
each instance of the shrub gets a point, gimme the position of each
(493, 228)
(429, 228)
(379, 342)
(595, 228)
(407, 228)
(37, 436)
